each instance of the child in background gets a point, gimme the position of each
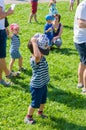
(34, 5)
(71, 5)
(14, 49)
(48, 28)
(38, 46)
(53, 10)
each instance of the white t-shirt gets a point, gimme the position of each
(2, 21)
(80, 33)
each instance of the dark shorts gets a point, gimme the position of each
(81, 48)
(34, 7)
(39, 96)
(3, 37)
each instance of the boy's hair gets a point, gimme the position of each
(30, 46)
(58, 15)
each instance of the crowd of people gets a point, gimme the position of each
(40, 45)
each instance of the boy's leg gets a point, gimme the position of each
(11, 64)
(29, 117)
(20, 63)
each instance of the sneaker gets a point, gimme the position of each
(22, 69)
(40, 113)
(12, 74)
(80, 85)
(28, 120)
(84, 91)
(5, 83)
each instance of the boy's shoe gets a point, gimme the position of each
(28, 120)
(80, 85)
(40, 113)
(84, 91)
(22, 69)
(12, 74)
(5, 83)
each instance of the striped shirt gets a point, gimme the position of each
(40, 75)
(15, 43)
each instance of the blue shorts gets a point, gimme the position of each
(15, 54)
(39, 96)
(3, 37)
(81, 48)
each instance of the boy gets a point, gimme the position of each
(38, 46)
(48, 28)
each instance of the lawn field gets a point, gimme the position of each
(66, 105)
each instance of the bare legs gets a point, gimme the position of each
(12, 62)
(82, 74)
(33, 16)
(31, 109)
(3, 67)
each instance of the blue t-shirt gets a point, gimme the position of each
(40, 75)
(49, 34)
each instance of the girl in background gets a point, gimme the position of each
(71, 5)
(53, 10)
(14, 49)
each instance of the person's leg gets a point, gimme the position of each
(43, 101)
(35, 17)
(20, 63)
(81, 69)
(0, 73)
(77, 2)
(30, 18)
(11, 64)
(84, 80)
(4, 66)
(30, 110)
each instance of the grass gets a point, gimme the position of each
(66, 106)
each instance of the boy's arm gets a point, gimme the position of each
(37, 53)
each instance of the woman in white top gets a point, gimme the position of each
(3, 66)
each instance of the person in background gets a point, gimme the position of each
(48, 28)
(14, 49)
(3, 37)
(71, 5)
(38, 46)
(57, 31)
(77, 2)
(33, 14)
(80, 43)
(53, 10)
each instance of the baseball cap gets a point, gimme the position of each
(14, 26)
(42, 42)
(49, 17)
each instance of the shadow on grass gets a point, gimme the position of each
(62, 124)
(70, 99)
(66, 51)
(68, 27)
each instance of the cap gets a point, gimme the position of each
(14, 26)
(42, 42)
(49, 17)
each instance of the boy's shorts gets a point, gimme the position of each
(34, 7)
(81, 48)
(15, 54)
(3, 37)
(39, 96)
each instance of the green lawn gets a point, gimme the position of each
(66, 106)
